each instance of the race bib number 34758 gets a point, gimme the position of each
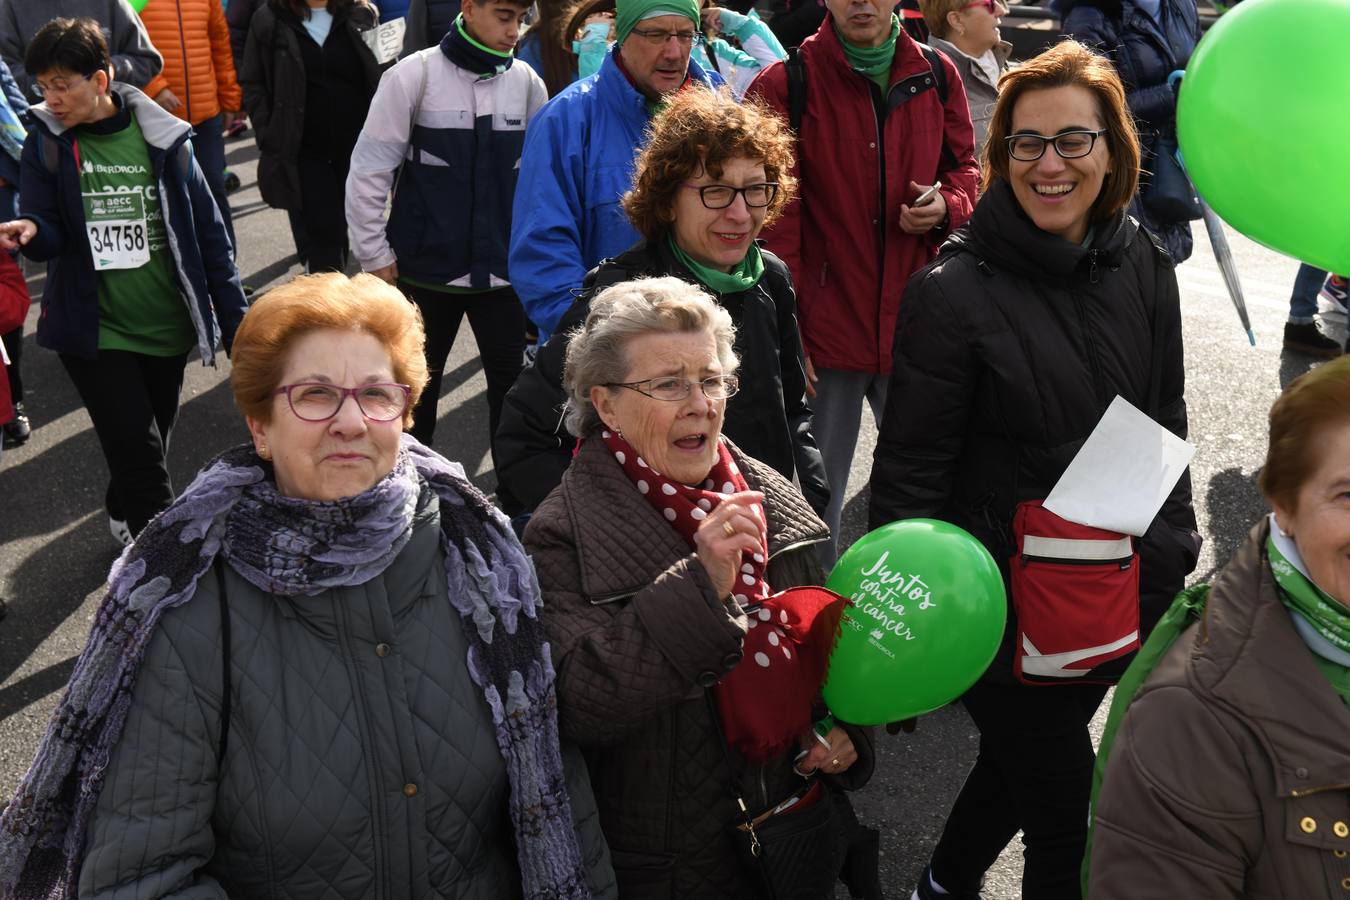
(115, 226)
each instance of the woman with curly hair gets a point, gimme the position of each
(712, 175)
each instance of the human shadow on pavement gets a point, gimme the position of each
(1294, 364)
(1234, 504)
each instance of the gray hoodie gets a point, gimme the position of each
(135, 60)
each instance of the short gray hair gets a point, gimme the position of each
(597, 352)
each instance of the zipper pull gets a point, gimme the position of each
(1092, 266)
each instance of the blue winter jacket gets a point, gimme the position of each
(1145, 52)
(577, 164)
(203, 267)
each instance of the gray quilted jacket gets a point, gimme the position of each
(638, 635)
(361, 759)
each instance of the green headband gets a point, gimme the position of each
(628, 13)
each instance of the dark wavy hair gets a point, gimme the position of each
(75, 45)
(701, 130)
(1068, 64)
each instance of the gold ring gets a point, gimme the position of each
(728, 529)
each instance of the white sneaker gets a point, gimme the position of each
(120, 531)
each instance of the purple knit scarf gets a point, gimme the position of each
(292, 547)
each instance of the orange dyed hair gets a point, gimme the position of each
(700, 130)
(314, 302)
(1312, 404)
(1066, 64)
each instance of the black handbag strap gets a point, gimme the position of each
(225, 690)
(749, 820)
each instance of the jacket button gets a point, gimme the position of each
(1341, 830)
(381, 649)
(871, 145)
(1308, 824)
(1301, 772)
(410, 790)
(913, 90)
(731, 660)
(707, 679)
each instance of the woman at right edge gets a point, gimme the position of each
(1009, 347)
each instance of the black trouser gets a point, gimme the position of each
(498, 323)
(14, 347)
(1034, 772)
(323, 191)
(132, 399)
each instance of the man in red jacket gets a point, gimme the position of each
(882, 119)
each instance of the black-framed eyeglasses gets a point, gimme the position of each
(59, 90)
(1027, 146)
(672, 389)
(658, 36)
(720, 196)
(315, 401)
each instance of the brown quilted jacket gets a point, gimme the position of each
(1230, 775)
(638, 635)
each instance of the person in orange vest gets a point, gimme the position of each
(197, 83)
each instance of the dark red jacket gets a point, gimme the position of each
(14, 303)
(832, 239)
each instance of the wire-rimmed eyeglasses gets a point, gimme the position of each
(720, 196)
(1027, 146)
(318, 402)
(658, 36)
(672, 389)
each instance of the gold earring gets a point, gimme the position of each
(264, 452)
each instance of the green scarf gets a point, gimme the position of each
(874, 62)
(627, 13)
(1323, 613)
(742, 277)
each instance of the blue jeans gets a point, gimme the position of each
(838, 415)
(208, 143)
(1303, 302)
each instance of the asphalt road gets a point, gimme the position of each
(55, 548)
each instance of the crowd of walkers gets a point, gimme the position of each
(692, 242)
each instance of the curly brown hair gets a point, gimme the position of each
(701, 130)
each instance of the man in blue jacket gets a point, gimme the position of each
(139, 265)
(579, 152)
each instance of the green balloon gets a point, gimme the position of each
(1263, 129)
(138, 5)
(926, 618)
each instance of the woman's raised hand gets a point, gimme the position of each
(734, 528)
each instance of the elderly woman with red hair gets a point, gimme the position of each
(1228, 776)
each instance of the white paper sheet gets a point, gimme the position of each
(386, 40)
(1122, 474)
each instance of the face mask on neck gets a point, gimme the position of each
(591, 49)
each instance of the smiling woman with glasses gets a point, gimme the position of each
(1048, 305)
(713, 174)
(660, 558)
(338, 674)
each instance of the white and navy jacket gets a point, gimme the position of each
(451, 216)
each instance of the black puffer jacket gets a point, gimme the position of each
(769, 419)
(1009, 347)
(1144, 52)
(276, 89)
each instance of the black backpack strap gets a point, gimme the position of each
(939, 71)
(225, 690)
(796, 85)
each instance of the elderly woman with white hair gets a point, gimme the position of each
(689, 683)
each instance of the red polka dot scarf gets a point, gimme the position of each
(766, 702)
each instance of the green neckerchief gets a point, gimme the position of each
(742, 277)
(874, 62)
(1320, 610)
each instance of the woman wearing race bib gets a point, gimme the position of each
(139, 265)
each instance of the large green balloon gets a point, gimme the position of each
(926, 620)
(1263, 119)
(138, 5)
